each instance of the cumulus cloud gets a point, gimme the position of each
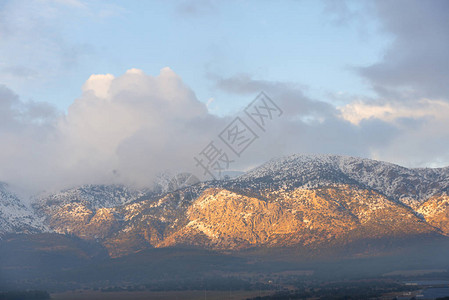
(98, 84)
(135, 125)
(122, 129)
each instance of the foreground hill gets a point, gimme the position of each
(296, 201)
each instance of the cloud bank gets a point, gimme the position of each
(121, 130)
(129, 128)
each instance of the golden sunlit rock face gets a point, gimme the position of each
(227, 220)
(436, 212)
(77, 219)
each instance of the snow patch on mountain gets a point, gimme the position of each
(93, 196)
(409, 186)
(15, 215)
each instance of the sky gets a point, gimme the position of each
(98, 91)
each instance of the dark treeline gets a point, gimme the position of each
(24, 295)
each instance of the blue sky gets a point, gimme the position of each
(96, 91)
(302, 42)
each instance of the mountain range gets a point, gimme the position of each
(302, 201)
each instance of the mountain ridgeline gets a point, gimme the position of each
(303, 201)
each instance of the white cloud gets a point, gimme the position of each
(122, 129)
(423, 126)
(99, 84)
(391, 112)
(134, 125)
